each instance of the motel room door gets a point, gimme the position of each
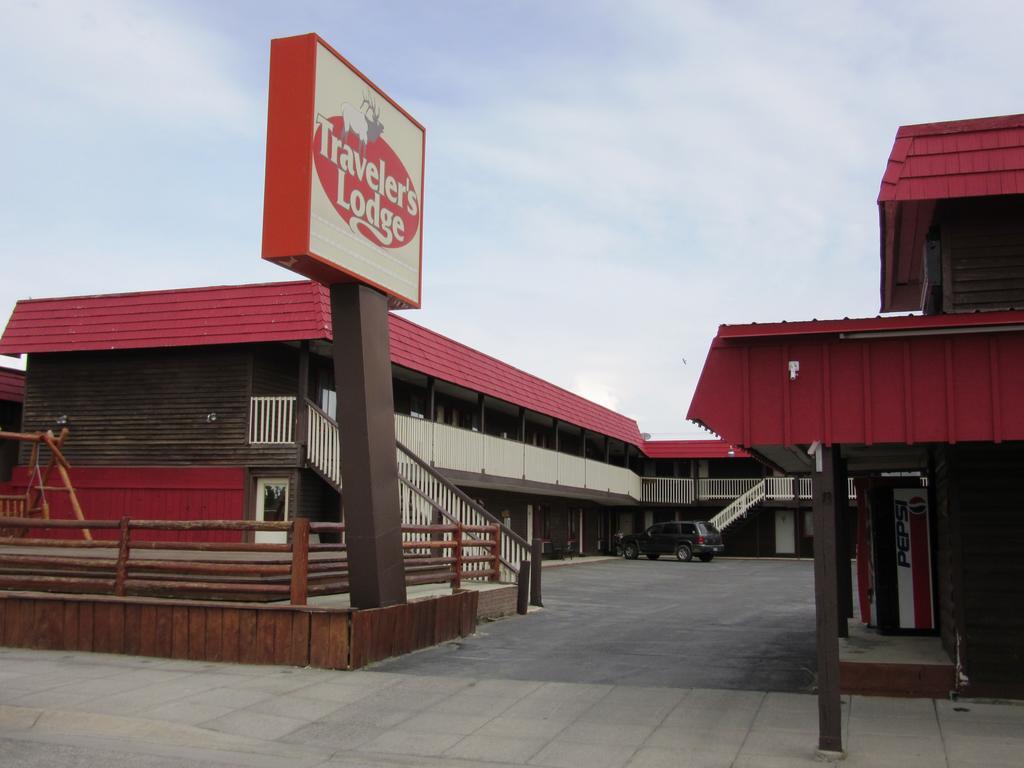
(272, 505)
(785, 532)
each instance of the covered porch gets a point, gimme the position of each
(876, 398)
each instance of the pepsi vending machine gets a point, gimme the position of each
(900, 590)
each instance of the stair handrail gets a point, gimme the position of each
(448, 484)
(739, 507)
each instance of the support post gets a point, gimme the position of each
(366, 426)
(300, 561)
(844, 575)
(536, 553)
(482, 408)
(457, 578)
(301, 393)
(523, 588)
(496, 555)
(123, 552)
(554, 424)
(825, 602)
(431, 399)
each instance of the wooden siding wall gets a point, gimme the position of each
(151, 407)
(275, 370)
(982, 253)
(317, 500)
(991, 536)
(947, 576)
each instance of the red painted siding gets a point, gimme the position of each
(904, 389)
(692, 449)
(151, 493)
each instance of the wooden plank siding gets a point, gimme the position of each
(987, 535)
(153, 407)
(948, 581)
(230, 632)
(982, 253)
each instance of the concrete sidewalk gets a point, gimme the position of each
(63, 709)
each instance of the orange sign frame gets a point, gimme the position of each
(304, 149)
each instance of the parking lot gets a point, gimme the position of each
(740, 624)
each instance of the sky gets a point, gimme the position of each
(606, 182)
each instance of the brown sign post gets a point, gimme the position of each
(343, 205)
(369, 469)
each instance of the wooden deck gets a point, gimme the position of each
(331, 638)
(231, 601)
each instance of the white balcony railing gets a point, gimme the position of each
(272, 418)
(711, 488)
(458, 449)
(667, 490)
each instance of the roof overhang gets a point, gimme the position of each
(898, 381)
(930, 163)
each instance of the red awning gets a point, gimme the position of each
(899, 380)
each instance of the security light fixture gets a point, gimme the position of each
(794, 369)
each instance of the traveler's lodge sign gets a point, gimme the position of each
(344, 184)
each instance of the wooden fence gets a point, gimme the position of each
(303, 565)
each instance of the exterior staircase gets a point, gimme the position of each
(768, 489)
(740, 506)
(426, 498)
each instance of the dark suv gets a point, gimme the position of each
(682, 539)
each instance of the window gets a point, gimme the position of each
(688, 528)
(808, 529)
(326, 395)
(417, 406)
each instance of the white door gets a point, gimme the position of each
(785, 532)
(272, 504)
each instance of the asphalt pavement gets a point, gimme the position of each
(728, 624)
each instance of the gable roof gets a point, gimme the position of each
(933, 162)
(12, 385)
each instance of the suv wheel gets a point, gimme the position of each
(631, 551)
(683, 553)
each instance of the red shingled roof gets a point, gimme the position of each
(939, 161)
(428, 352)
(289, 311)
(12, 385)
(230, 314)
(693, 449)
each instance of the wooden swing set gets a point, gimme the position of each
(33, 503)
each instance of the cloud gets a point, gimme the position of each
(137, 61)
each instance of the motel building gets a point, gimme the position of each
(935, 387)
(220, 403)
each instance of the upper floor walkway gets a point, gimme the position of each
(457, 450)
